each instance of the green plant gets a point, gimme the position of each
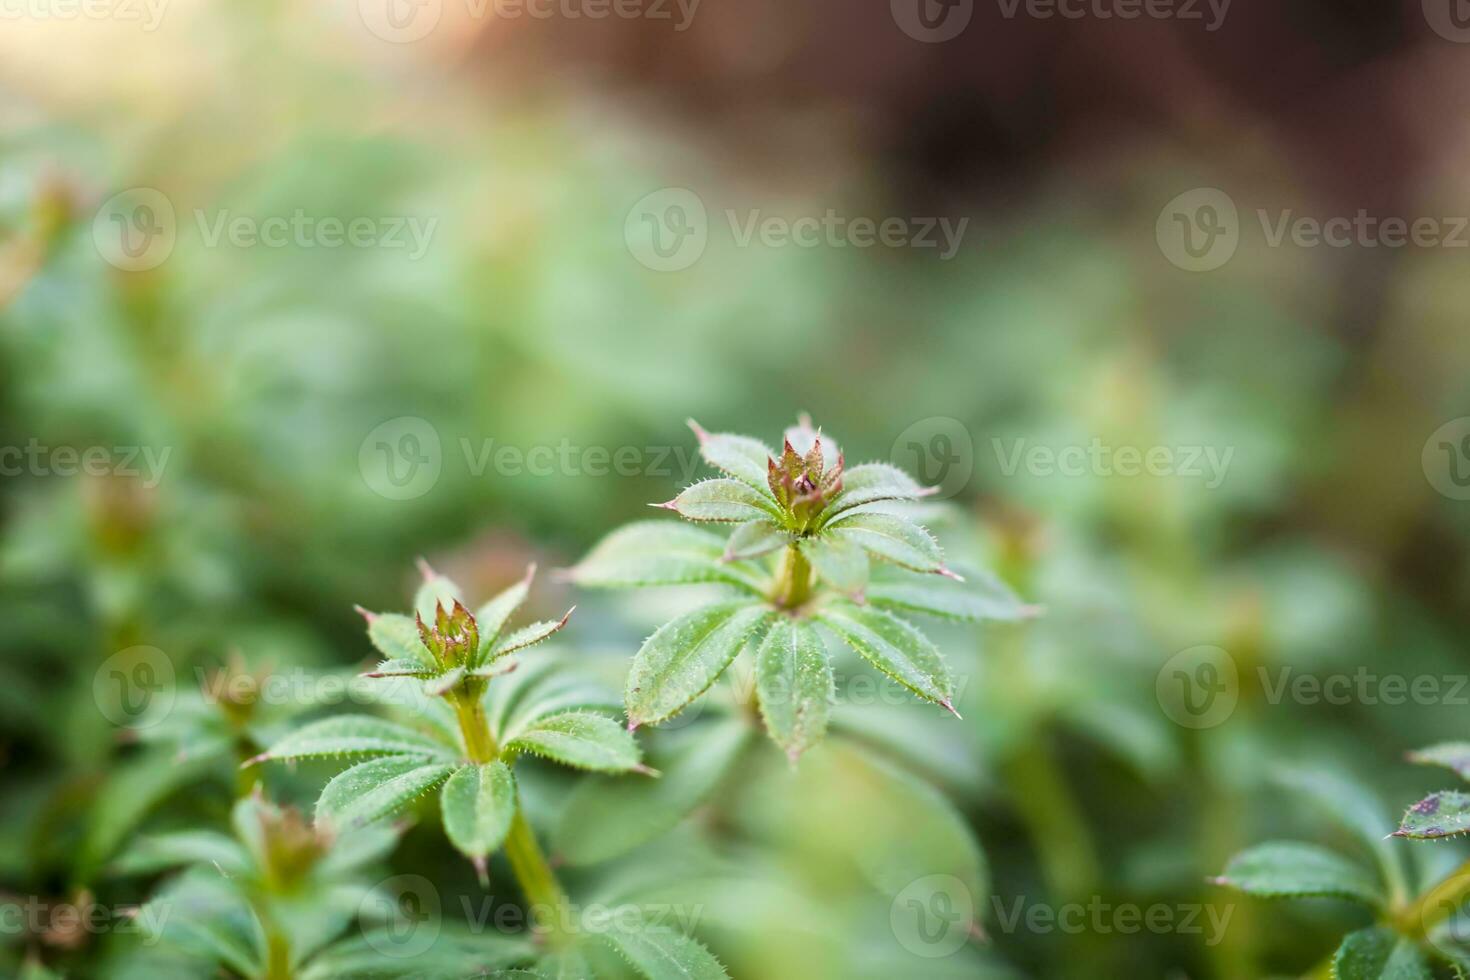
(814, 542)
(1415, 912)
(273, 901)
(469, 744)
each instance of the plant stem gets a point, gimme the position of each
(794, 580)
(543, 892)
(1435, 905)
(469, 707)
(528, 862)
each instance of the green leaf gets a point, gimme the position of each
(159, 852)
(891, 539)
(742, 457)
(435, 591)
(1379, 954)
(455, 953)
(493, 615)
(567, 964)
(980, 596)
(794, 683)
(346, 735)
(377, 788)
(1451, 755)
(1288, 869)
(659, 553)
(1437, 816)
(401, 668)
(661, 954)
(870, 483)
(683, 658)
(478, 804)
(840, 563)
(722, 500)
(1353, 808)
(397, 638)
(605, 817)
(582, 740)
(529, 636)
(753, 539)
(894, 647)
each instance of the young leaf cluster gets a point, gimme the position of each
(810, 541)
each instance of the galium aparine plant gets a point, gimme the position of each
(811, 542)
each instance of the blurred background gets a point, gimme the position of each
(1170, 305)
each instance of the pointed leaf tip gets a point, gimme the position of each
(947, 705)
(699, 432)
(948, 573)
(482, 870)
(633, 725)
(425, 569)
(366, 614)
(255, 760)
(668, 504)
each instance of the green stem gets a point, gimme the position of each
(469, 707)
(528, 862)
(1435, 905)
(793, 580)
(543, 892)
